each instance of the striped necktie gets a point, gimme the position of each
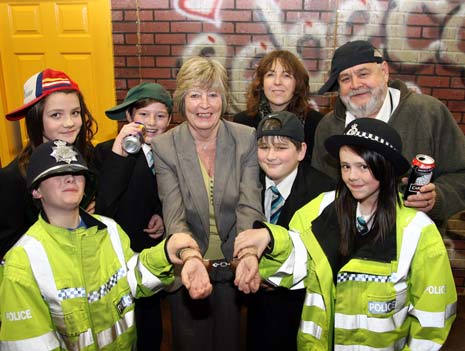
(277, 202)
(362, 226)
(150, 162)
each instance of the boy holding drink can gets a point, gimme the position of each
(128, 190)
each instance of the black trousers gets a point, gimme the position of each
(148, 323)
(210, 324)
(273, 319)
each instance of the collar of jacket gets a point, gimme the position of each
(327, 231)
(89, 220)
(340, 109)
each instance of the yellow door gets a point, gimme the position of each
(72, 36)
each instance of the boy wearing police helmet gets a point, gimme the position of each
(70, 281)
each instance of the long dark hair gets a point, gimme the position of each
(388, 197)
(293, 65)
(35, 130)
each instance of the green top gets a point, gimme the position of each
(214, 243)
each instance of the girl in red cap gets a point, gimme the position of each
(53, 108)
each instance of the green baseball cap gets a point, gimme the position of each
(142, 91)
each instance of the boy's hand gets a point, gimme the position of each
(155, 228)
(178, 241)
(128, 129)
(91, 207)
(247, 277)
(258, 238)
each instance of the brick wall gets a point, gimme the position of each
(423, 41)
(455, 243)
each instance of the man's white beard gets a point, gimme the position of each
(371, 108)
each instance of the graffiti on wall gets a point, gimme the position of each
(370, 18)
(203, 10)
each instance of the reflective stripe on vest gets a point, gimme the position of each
(45, 342)
(311, 328)
(328, 198)
(314, 300)
(115, 239)
(373, 324)
(300, 264)
(410, 239)
(106, 287)
(423, 345)
(149, 280)
(132, 280)
(107, 336)
(398, 345)
(434, 319)
(296, 263)
(43, 275)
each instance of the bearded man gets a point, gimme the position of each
(361, 77)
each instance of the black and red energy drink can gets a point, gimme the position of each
(420, 174)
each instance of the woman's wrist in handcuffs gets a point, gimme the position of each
(248, 251)
(186, 253)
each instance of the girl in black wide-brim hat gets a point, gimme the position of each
(376, 272)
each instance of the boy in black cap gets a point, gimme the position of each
(128, 190)
(70, 281)
(289, 182)
(361, 77)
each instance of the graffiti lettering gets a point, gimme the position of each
(354, 19)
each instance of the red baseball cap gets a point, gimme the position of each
(39, 86)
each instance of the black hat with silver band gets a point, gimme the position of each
(53, 158)
(371, 134)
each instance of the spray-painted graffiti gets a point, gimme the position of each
(392, 24)
(204, 10)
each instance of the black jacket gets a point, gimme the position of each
(17, 209)
(127, 192)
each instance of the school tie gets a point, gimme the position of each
(150, 161)
(277, 202)
(362, 226)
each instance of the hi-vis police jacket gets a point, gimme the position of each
(399, 295)
(74, 290)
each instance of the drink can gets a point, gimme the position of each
(133, 142)
(420, 174)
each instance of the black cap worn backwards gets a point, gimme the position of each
(284, 123)
(350, 54)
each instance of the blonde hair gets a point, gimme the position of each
(204, 73)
